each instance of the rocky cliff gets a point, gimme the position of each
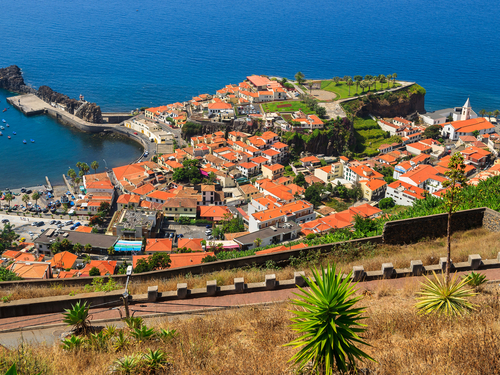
(391, 104)
(87, 111)
(11, 79)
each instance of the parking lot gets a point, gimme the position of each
(24, 225)
(189, 231)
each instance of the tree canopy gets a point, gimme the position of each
(155, 262)
(433, 131)
(189, 173)
(313, 194)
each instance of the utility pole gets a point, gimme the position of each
(125, 293)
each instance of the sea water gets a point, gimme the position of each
(127, 54)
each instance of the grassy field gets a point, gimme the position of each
(250, 340)
(369, 137)
(477, 241)
(291, 106)
(342, 90)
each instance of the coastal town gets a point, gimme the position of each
(244, 187)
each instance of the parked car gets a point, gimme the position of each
(5, 221)
(69, 222)
(171, 235)
(52, 222)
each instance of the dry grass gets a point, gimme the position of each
(250, 341)
(477, 241)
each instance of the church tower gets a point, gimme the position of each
(466, 110)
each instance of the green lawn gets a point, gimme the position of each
(342, 90)
(369, 137)
(291, 106)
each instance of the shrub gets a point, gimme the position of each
(78, 317)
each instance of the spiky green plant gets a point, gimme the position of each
(72, 343)
(475, 280)
(121, 341)
(329, 323)
(134, 322)
(442, 297)
(166, 334)
(99, 342)
(78, 317)
(154, 360)
(142, 334)
(127, 364)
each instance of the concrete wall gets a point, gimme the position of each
(66, 120)
(412, 230)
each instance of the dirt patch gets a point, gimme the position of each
(323, 95)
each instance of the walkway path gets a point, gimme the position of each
(44, 325)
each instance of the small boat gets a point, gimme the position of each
(2, 128)
(1, 133)
(14, 133)
(5, 109)
(3, 120)
(7, 125)
(24, 141)
(32, 140)
(8, 136)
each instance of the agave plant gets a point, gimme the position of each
(73, 343)
(143, 333)
(121, 341)
(442, 297)
(154, 360)
(329, 323)
(99, 341)
(475, 280)
(78, 317)
(134, 322)
(126, 365)
(166, 334)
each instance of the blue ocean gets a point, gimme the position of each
(127, 54)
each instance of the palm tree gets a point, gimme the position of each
(85, 168)
(482, 112)
(87, 248)
(72, 174)
(336, 80)
(79, 165)
(9, 198)
(363, 85)
(368, 77)
(95, 166)
(389, 77)
(382, 80)
(25, 198)
(86, 258)
(358, 80)
(35, 196)
(77, 248)
(394, 76)
(496, 113)
(349, 83)
(299, 77)
(489, 115)
(346, 78)
(375, 80)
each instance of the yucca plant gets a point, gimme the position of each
(126, 365)
(166, 334)
(475, 280)
(444, 297)
(329, 323)
(78, 317)
(143, 333)
(72, 343)
(154, 360)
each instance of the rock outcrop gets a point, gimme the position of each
(89, 112)
(400, 103)
(11, 79)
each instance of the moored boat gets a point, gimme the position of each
(8, 137)
(32, 140)
(3, 120)
(2, 128)
(4, 109)
(14, 133)
(24, 141)
(1, 133)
